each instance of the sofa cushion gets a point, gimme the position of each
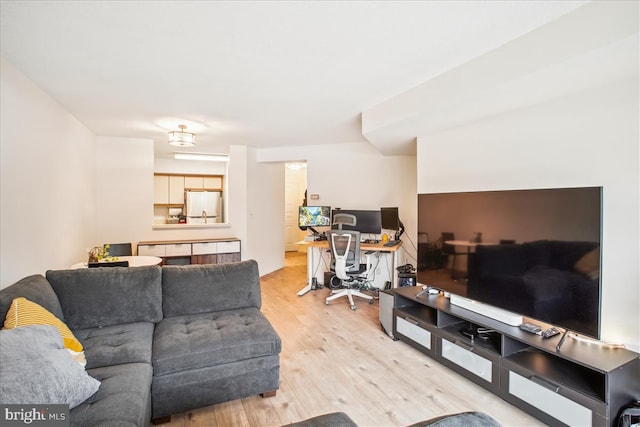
(124, 398)
(93, 297)
(193, 289)
(463, 419)
(36, 369)
(35, 288)
(333, 419)
(196, 341)
(118, 344)
(27, 313)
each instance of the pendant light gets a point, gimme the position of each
(180, 138)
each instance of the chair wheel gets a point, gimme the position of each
(326, 303)
(371, 301)
(353, 307)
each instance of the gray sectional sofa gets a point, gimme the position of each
(161, 340)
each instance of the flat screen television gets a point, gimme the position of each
(367, 221)
(531, 252)
(314, 216)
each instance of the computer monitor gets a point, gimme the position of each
(314, 216)
(389, 218)
(366, 221)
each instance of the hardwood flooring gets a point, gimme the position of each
(337, 359)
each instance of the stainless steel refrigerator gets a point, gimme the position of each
(204, 207)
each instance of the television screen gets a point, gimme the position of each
(389, 219)
(531, 252)
(314, 216)
(367, 222)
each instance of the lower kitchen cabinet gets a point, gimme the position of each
(181, 252)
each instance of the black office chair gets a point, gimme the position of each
(450, 250)
(345, 263)
(108, 264)
(120, 249)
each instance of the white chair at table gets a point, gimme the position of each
(345, 263)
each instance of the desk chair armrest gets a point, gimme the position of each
(368, 262)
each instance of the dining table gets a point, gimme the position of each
(134, 261)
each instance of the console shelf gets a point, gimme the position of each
(582, 384)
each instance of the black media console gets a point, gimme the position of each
(583, 384)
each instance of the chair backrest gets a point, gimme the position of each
(120, 249)
(345, 252)
(340, 219)
(448, 249)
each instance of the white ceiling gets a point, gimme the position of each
(262, 74)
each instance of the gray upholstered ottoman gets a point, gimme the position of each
(214, 344)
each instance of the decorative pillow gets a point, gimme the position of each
(589, 264)
(36, 369)
(26, 313)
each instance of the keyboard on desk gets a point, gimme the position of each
(392, 243)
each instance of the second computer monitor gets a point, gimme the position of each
(389, 218)
(367, 222)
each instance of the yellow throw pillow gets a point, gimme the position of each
(24, 313)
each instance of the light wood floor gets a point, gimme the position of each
(336, 359)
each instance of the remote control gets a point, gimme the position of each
(548, 333)
(530, 327)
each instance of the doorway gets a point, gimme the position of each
(295, 184)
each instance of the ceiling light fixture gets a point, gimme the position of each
(180, 138)
(201, 156)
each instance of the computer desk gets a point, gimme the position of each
(320, 245)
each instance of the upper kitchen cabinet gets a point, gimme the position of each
(176, 189)
(161, 189)
(213, 183)
(168, 189)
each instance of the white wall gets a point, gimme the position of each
(265, 214)
(589, 138)
(124, 189)
(46, 185)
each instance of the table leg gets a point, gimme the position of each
(307, 288)
(394, 269)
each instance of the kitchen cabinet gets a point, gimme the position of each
(152, 250)
(208, 251)
(176, 190)
(215, 252)
(194, 182)
(213, 182)
(161, 189)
